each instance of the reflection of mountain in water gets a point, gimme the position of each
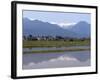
(71, 59)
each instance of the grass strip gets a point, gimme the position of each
(42, 43)
(55, 51)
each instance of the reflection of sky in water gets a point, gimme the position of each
(56, 60)
(55, 48)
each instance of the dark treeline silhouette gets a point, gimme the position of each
(31, 37)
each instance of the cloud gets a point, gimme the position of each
(57, 63)
(64, 25)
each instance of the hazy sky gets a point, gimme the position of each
(57, 17)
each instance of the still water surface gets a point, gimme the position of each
(56, 60)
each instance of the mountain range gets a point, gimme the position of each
(37, 27)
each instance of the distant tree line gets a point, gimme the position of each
(32, 37)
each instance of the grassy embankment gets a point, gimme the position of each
(30, 44)
(42, 43)
(54, 51)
